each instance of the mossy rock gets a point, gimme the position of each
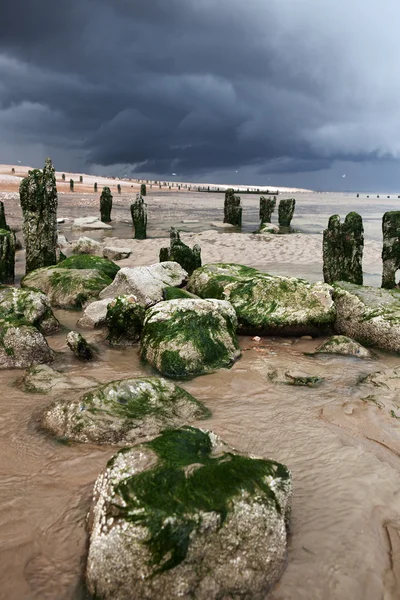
(343, 345)
(176, 513)
(88, 261)
(31, 306)
(301, 379)
(371, 316)
(21, 344)
(267, 304)
(79, 346)
(42, 379)
(123, 412)
(173, 293)
(187, 337)
(68, 288)
(124, 321)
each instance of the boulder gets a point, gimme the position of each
(369, 315)
(22, 345)
(124, 321)
(123, 412)
(67, 288)
(30, 306)
(95, 314)
(266, 304)
(268, 228)
(188, 515)
(146, 283)
(340, 344)
(185, 337)
(90, 262)
(114, 253)
(79, 346)
(88, 223)
(86, 245)
(42, 379)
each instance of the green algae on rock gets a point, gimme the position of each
(188, 258)
(179, 513)
(285, 211)
(343, 246)
(30, 306)
(106, 199)
(267, 304)
(88, 261)
(174, 293)
(139, 218)
(42, 379)
(39, 201)
(299, 378)
(123, 412)
(7, 256)
(343, 345)
(369, 315)
(79, 346)
(391, 248)
(232, 208)
(21, 344)
(67, 288)
(188, 337)
(124, 321)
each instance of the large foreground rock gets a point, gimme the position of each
(369, 315)
(30, 306)
(185, 516)
(22, 345)
(146, 283)
(68, 288)
(184, 337)
(122, 412)
(267, 304)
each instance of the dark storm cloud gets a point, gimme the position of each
(197, 86)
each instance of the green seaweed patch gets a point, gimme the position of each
(174, 293)
(124, 321)
(169, 498)
(88, 261)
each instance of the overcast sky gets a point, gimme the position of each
(287, 92)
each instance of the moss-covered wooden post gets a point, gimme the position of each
(63, 176)
(95, 187)
(106, 205)
(143, 191)
(80, 179)
(71, 185)
(188, 258)
(3, 222)
(232, 208)
(119, 188)
(267, 207)
(343, 246)
(39, 201)
(391, 248)
(139, 218)
(7, 256)
(285, 211)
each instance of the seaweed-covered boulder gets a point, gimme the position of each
(88, 261)
(267, 304)
(123, 412)
(188, 258)
(67, 288)
(95, 314)
(124, 321)
(79, 346)
(42, 379)
(146, 283)
(86, 245)
(341, 344)
(369, 315)
(22, 345)
(189, 516)
(30, 306)
(184, 338)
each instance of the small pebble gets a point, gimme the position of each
(256, 339)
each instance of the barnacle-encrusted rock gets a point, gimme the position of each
(30, 306)
(106, 199)
(124, 321)
(146, 283)
(343, 246)
(139, 218)
(391, 248)
(265, 303)
(369, 315)
(184, 338)
(341, 344)
(232, 208)
(38, 194)
(123, 412)
(188, 258)
(21, 344)
(79, 346)
(7, 256)
(188, 515)
(285, 211)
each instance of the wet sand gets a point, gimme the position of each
(343, 450)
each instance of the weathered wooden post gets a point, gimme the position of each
(106, 205)
(232, 208)
(143, 191)
(343, 246)
(139, 218)
(285, 211)
(267, 207)
(391, 248)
